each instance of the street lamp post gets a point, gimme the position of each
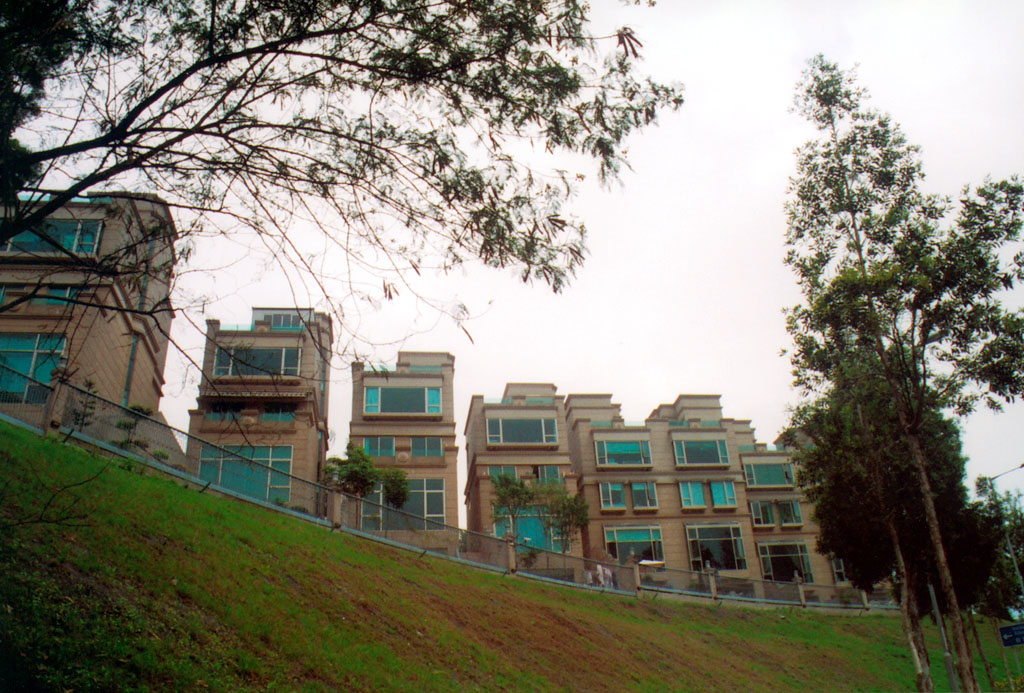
(1009, 545)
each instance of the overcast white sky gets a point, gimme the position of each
(684, 286)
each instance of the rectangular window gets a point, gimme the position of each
(769, 474)
(260, 472)
(781, 562)
(716, 546)
(224, 411)
(645, 495)
(31, 355)
(613, 496)
(402, 400)
(839, 570)
(257, 361)
(505, 431)
(503, 470)
(642, 542)
(623, 452)
(278, 412)
(701, 452)
(723, 494)
(761, 513)
(286, 322)
(691, 494)
(546, 473)
(379, 446)
(427, 447)
(789, 513)
(533, 528)
(424, 509)
(57, 294)
(75, 236)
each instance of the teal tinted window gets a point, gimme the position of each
(260, 472)
(716, 546)
(402, 400)
(642, 542)
(70, 234)
(548, 473)
(623, 452)
(32, 355)
(645, 495)
(278, 412)
(613, 496)
(58, 294)
(379, 446)
(521, 431)
(761, 512)
(723, 494)
(502, 470)
(427, 447)
(534, 532)
(424, 509)
(701, 452)
(691, 494)
(769, 474)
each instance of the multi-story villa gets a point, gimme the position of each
(90, 288)
(405, 418)
(687, 487)
(522, 434)
(264, 397)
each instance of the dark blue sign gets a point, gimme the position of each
(1012, 635)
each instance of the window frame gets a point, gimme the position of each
(721, 450)
(735, 539)
(797, 513)
(750, 474)
(657, 543)
(230, 370)
(373, 400)
(601, 454)
(607, 490)
(764, 553)
(548, 430)
(684, 497)
(389, 451)
(43, 248)
(650, 493)
(729, 494)
(758, 510)
(426, 447)
(46, 348)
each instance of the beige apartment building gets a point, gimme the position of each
(521, 434)
(90, 289)
(405, 417)
(687, 487)
(264, 397)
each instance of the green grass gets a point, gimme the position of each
(140, 583)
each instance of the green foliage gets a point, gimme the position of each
(356, 473)
(565, 515)
(855, 468)
(512, 496)
(394, 486)
(885, 267)
(360, 113)
(1004, 594)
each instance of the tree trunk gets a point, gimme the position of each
(910, 616)
(964, 660)
(981, 652)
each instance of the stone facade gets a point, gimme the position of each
(99, 303)
(405, 418)
(687, 487)
(264, 394)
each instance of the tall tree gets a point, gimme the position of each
(885, 266)
(512, 497)
(411, 134)
(868, 504)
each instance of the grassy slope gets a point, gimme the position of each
(164, 587)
